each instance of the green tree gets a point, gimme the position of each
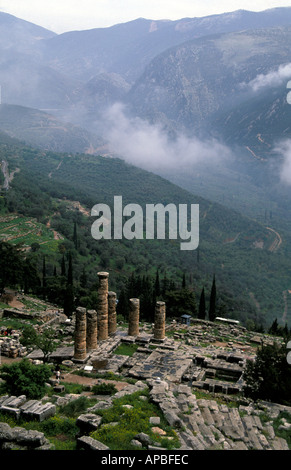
(63, 266)
(122, 304)
(75, 236)
(44, 341)
(202, 306)
(24, 378)
(184, 281)
(11, 266)
(180, 302)
(69, 294)
(157, 289)
(44, 278)
(83, 279)
(268, 377)
(212, 302)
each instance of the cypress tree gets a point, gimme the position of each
(43, 278)
(70, 271)
(184, 281)
(83, 279)
(63, 267)
(212, 303)
(157, 285)
(69, 293)
(202, 306)
(75, 236)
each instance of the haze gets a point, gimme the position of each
(71, 15)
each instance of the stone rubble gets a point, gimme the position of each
(28, 409)
(20, 439)
(175, 363)
(204, 424)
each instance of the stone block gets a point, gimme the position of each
(5, 432)
(15, 412)
(88, 443)
(88, 422)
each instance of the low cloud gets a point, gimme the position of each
(283, 149)
(148, 145)
(271, 79)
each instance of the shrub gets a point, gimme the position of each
(104, 389)
(131, 421)
(269, 376)
(24, 378)
(75, 407)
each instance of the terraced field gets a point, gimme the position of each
(27, 231)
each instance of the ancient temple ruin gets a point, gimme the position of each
(95, 326)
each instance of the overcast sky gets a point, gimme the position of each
(69, 15)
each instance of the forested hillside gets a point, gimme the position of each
(59, 191)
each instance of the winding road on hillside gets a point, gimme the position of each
(4, 168)
(277, 242)
(7, 177)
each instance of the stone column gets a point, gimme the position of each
(111, 313)
(102, 310)
(160, 321)
(91, 330)
(133, 319)
(80, 352)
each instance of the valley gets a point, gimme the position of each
(221, 119)
(106, 136)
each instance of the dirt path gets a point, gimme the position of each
(277, 242)
(77, 379)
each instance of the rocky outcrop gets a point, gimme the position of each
(20, 439)
(204, 424)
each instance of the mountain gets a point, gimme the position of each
(127, 48)
(45, 131)
(185, 85)
(231, 88)
(193, 81)
(19, 34)
(59, 65)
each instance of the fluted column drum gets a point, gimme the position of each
(160, 320)
(80, 350)
(111, 313)
(102, 309)
(133, 319)
(91, 330)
